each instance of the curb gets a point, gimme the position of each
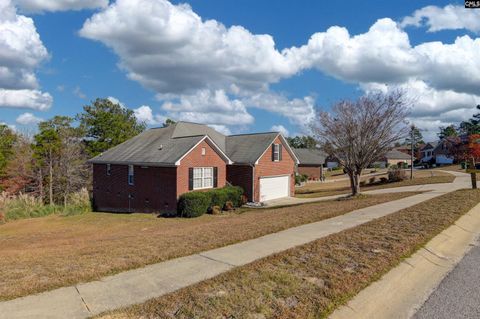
(404, 289)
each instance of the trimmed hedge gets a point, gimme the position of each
(194, 204)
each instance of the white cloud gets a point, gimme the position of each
(145, 114)
(171, 49)
(39, 6)
(281, 129)
(298, 111)
(381, 54)
(21, 51)
(450, 17)
(222, 129)
(31, 99)
(27, 119)
(77, 91)
(206, 72)
(209, 107)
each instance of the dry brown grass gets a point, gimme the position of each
(44, 253)
(421, 177)
(312, 280)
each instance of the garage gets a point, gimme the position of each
(274, 187)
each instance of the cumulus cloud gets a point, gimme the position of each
(205, 72)
(145, 114)
(28, 118)
(450, 17)
(209, 107)
(39, 6)
(21, 51)
(298, 111)
(31, 99)
(171, 49)
(281, 129)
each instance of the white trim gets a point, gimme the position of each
(286, 146)
(177, 163)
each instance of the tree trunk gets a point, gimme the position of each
(40, 185)
(356, 178)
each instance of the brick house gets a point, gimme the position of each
(311, 162)
(148, 172)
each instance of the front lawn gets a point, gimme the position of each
(312, 280)
(421, 177)
(49, 252)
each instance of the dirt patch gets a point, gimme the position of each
(45, 253)
(312, 280)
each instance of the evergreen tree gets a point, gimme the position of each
(107, 124)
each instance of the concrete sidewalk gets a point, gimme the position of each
(136, 286)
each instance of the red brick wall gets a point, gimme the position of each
(267, 167)
(241, 175)
(313, 172)
(196, 159)
(153, 189)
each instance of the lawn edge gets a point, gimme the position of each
(401, 291)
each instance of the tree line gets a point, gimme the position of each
(52, 163)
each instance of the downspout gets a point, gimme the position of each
(253, 182)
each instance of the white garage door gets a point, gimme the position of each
(274, 187)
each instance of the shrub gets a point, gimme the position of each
(372, 180)
(196, 205)
(234, 195)
(396, 174)
(363, 183)
(299, 179)
(383, 180)
(193, 204)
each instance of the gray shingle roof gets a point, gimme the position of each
(310, 156)
(152, 147)
(394, 154)
(247, 148)
(176, 139)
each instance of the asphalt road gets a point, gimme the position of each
(458, 295)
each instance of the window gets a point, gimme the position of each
(109, 170)
(130, 174)
(202, 177)
(276, 152)
(203, 151)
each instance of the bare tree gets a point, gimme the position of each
(360, 132)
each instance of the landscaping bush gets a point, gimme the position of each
(372, 180)
(396, 174)
(193, 204)
(383, 180)
(299, 179)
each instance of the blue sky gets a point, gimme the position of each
(165, 60)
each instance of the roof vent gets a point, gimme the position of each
(161, 147)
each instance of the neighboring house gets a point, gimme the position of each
(148, 172)
(311, 162)
(394, 158)
(443, 152)
(407, 150)
(332, 162)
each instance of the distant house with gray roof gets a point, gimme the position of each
(311, 162)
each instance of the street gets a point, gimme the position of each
(458, 295)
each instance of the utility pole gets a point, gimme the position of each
(412, 143)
